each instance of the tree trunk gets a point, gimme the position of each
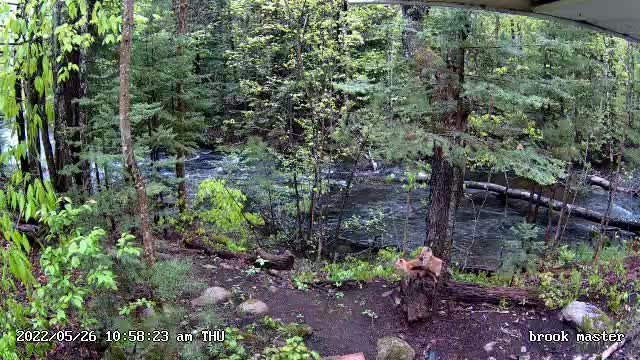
(413, 15)
(125, 130)
(418, 300)
(48, 149)
(22, 129)
(183, 7)
(446, 182)
(630, 65)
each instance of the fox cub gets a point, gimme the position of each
(424, 265)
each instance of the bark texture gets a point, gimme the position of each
(22, 129)
(446, 180)
(183, 7)
(125, 131)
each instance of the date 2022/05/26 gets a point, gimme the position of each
(115, 336)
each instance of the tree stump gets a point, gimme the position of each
(419, 297)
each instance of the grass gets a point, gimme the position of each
(174, 279)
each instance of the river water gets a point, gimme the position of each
(483, 224)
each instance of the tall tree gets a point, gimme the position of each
(183, 7)
(125, 131)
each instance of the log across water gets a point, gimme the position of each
(578, 211)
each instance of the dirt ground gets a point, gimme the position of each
(457, 331)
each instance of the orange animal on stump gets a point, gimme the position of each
(424, 265)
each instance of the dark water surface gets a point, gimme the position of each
(483, 221)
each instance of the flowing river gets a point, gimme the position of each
(483, 235)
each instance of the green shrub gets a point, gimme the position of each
(223, 209)
(75, 268)
(482, 278)
(381, 267)
(294, 350)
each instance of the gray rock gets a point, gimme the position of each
(488, 347)
(253, 307)
(585, 317)
(273, 289)
(212, 295)
(148, 312)
(393, 348)
(387, 293)
(209, 266)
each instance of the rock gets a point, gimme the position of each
(387, 293)
(209, 266)
(488, 347)
(393, 348)
(148, 312)
(253, 307)
(358, 356)
(585, 317)
(302, 330)
(273, 289)
(212, 295)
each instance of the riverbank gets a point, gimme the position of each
(345, 320)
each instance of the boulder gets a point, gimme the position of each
(212, 295)
(585, 317)
(393, 348)
(253, 307)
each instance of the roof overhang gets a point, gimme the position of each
(617, 17)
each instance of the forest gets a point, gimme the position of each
(307, 179)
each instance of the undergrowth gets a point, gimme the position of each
(380, 267)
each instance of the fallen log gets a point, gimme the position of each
(418, 301)
(577, 211)
(606, 184)
(473, 293)
(271, 261)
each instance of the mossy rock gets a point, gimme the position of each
(295, 329)
(393, 348)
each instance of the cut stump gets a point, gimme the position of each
(418, 297)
